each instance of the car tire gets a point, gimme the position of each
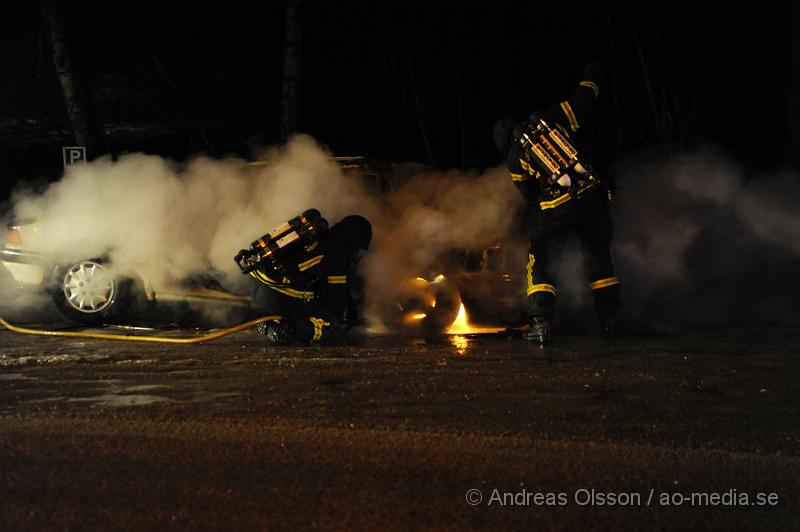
(416, 298)
(88, 292)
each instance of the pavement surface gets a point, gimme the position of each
(682, 432)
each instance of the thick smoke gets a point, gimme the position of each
(165, 221)
(697, 243)
(700, 244)
(171, 221)
(430, 215)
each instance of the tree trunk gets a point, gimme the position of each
(77, 112)
(290, 93)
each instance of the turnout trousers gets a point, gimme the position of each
(310, 319)
(590, 220)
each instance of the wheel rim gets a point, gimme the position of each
(88, 287)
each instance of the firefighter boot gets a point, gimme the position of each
(277, 332)
(539, 331)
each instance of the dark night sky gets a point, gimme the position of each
(379, 78)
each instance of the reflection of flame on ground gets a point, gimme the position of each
(461, 325)
(460, 343)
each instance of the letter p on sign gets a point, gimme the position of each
(73, 155)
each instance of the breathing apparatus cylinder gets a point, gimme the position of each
(553, 153)
(555, 156)
(273, 248)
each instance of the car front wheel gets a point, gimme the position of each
(88, 292)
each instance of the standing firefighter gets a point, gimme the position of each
(549, 168)
(303, 272)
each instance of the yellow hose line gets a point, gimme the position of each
(129, 338)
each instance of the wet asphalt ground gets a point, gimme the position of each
(695, 431)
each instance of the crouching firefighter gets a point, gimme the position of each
(304, 271)
(550, 168)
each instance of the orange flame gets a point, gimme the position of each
(461, 325)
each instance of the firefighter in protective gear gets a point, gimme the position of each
(550, 169)
(314, 295)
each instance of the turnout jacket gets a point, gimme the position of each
(318, 272)
(568, 117)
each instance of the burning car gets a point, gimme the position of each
(94, 290)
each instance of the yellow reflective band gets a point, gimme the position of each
(310, 263)
(591, 85)
(291, 292)
(556, 202)
(318, 324)
(531, 260)
(255, 274)
(573, 122)
(602, 283)
(297, 294)
(543, 287)
(264, 278)
(337, 279)
(519, 177)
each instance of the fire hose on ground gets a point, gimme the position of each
(133, 338)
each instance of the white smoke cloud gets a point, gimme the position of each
(167, 221)
(172, 220)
